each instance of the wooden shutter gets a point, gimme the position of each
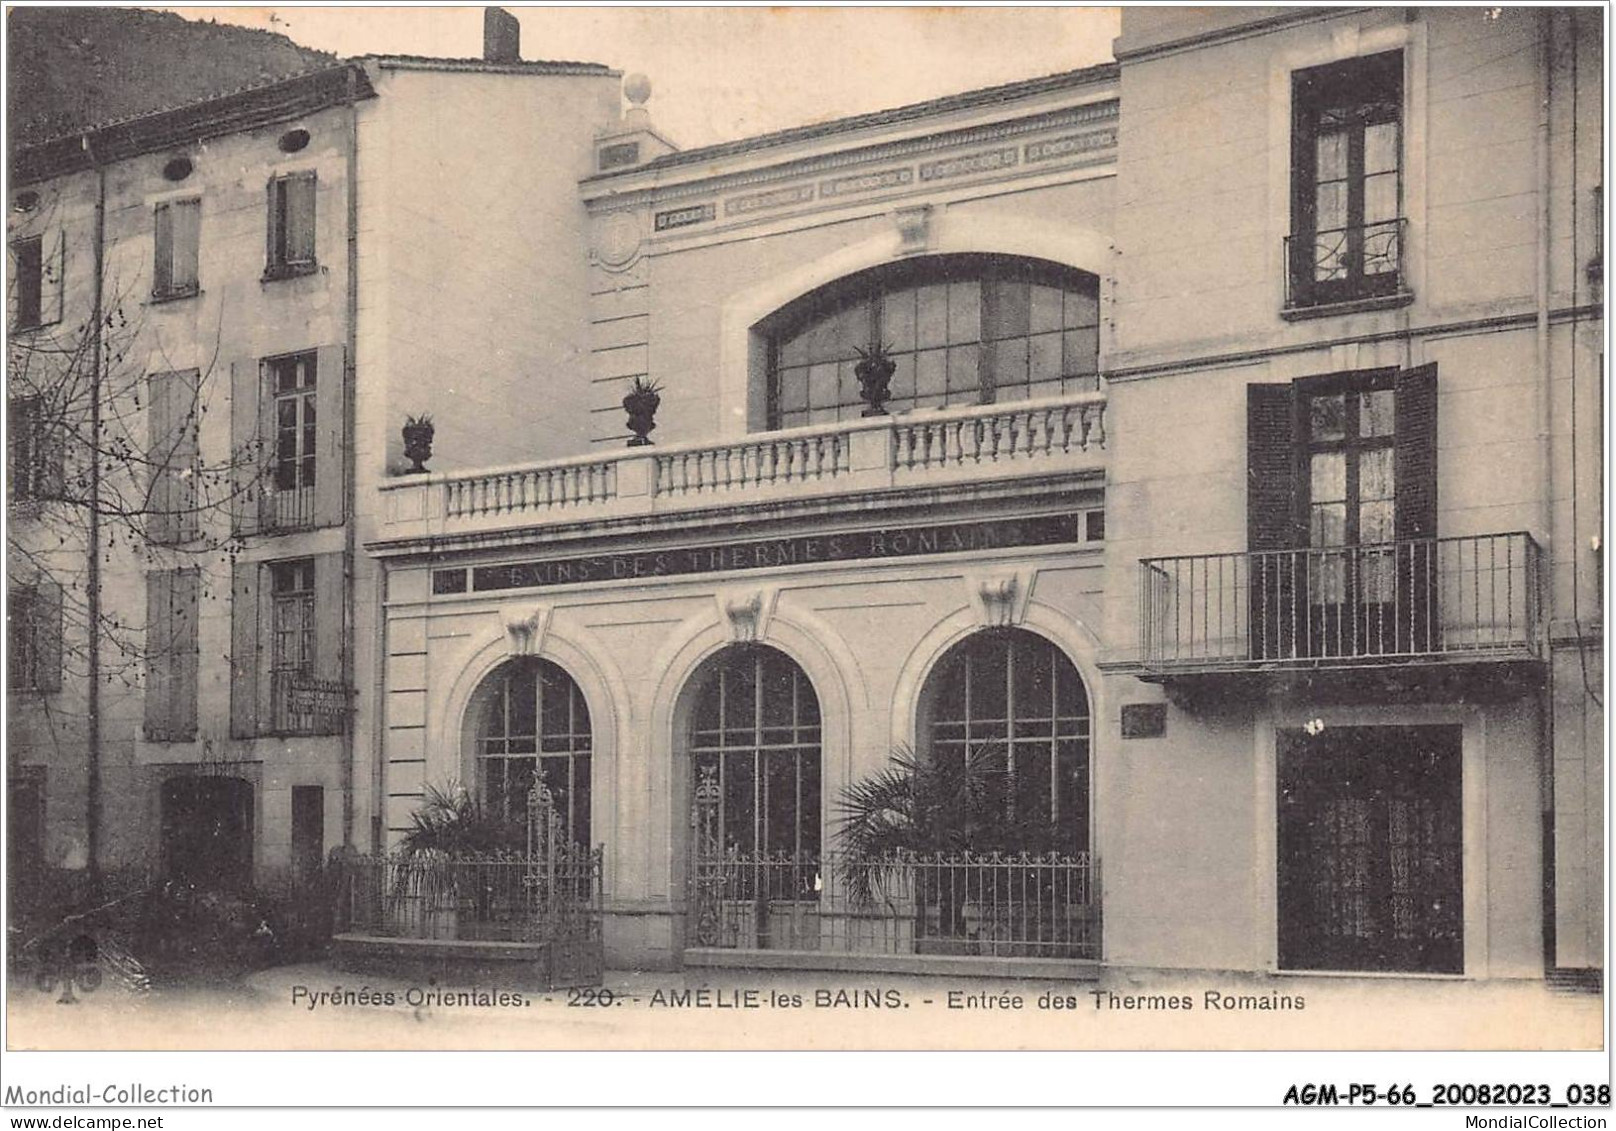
(274, 242)
(159, 656)
(248, 484)
(245, 674)
(172, 456)
(185, 402)
(330, 636)
(1415, 424)
(187, 244)
(1271, 522)
(299, 214)
(163, 251)
(330, 463)
(25, 299)
(48, 636)
(160, 522)
(185, 598)
(52, 277)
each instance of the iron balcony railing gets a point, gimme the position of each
(545, 897)
(304, 705)
(1437, 598)
(1025, 905)
(1344, 264)
(288, 509)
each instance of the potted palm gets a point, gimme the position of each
(911, 835)
(449, 831)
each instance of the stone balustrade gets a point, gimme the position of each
(987, 442)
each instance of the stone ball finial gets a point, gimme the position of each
(637, 89)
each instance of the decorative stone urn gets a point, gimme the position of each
(418, 431)
(874, 371)
(643, 399)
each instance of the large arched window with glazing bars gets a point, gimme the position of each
(961, 329)
(533, 720)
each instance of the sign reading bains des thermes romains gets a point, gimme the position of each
(767, 553)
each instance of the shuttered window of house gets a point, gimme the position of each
(172, 456)
(172, 653)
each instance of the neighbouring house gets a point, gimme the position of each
(285, 255)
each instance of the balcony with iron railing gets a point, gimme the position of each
(303, 705)
(1362, 267)
(1436, 600)
(999, 442)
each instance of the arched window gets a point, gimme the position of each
(1015, 693)
(961, 329)
(533, 720)
(755, 725)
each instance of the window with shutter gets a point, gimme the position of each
(171, 655)
(291, 226)
(27, 283)
(172, 456)
(34, 637)
(1341, 513)
(301, 679)
(33, 451)
(177, 227)
(292, 387)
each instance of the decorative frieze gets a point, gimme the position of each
(775, 198)
(1052, 148)
(970, 163)
(684, 217)
(1069, 117)
(866, 182)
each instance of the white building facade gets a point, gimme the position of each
(1206, 496)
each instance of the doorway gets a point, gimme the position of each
(207, 831)
(1370, 847)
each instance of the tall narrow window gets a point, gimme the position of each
(961, 330)
(176, 238)
(34, 462)
(1347, 226)
(1014, 695)
(292, 388)
(291, 225)
(27, 283)
(535, 725)
(755, 732)
(292, 645)
(172, 598)
(34, 637)
(174, 416)
(1341, 517)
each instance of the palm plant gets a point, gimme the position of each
(450, 826)
(452, 822)
(920, 806)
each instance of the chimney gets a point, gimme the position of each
(502, 37)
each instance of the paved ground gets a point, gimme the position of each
(316, 1006)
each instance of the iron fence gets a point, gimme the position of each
(983, 904)
(1456, 597)
(516, 897)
